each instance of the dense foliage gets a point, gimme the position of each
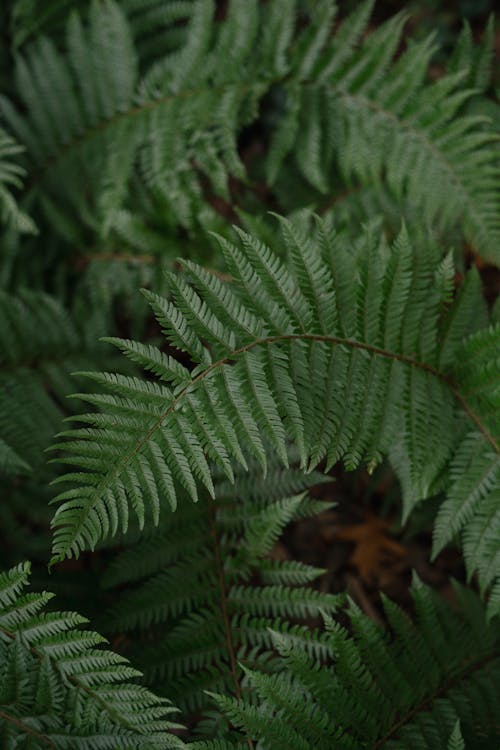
(309, 200)
(59, 690)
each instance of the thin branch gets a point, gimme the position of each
(424, 704)
(228, 632)
(26, 729)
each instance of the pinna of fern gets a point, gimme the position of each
(338, 106)
(427, 684)
(355, 118)
(351, 351)
(59, 689)
(11, 175)
(202, 591)
(40, 346)
(155, 25)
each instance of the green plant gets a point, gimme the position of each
(202, 592)
(58, 689)
(354, 353)
(377, 691)
(11, 175)
(41, 345)
(100, 125)
(336, 179)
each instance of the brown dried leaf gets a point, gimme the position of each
(374, 549)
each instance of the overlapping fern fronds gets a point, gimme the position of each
(155, 24)
(96, 116)
(40, 346)
(352, 351)
(59, 689)
(92, 107)
(407, 687)
(349, 109)
(203, 591)
(42, 343)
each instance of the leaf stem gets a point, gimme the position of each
(424, 704)
(233, 664)
(26, 729)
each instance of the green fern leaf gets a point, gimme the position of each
(59, 689)
(189, 587)
(351, 392)
(413, 686)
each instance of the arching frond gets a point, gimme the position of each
(351, 352)
(382, 124)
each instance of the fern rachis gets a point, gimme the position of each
(260, 380)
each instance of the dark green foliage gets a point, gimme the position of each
(405, 689)
(127, 130)
(154, 24)
(41, 345)
(112, 109)
(205, 591)
(11, 175)
(59, 690)
(373, 320)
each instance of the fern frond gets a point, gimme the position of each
(476, 61)
(472, 506)
(382, 124)
(456, 741)
(205, 591)
(372, 377)
(11, 176)
(415, 685)
(59, 689)
(338, 107)
(155, 26)
(39, 347)
(10, 462)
